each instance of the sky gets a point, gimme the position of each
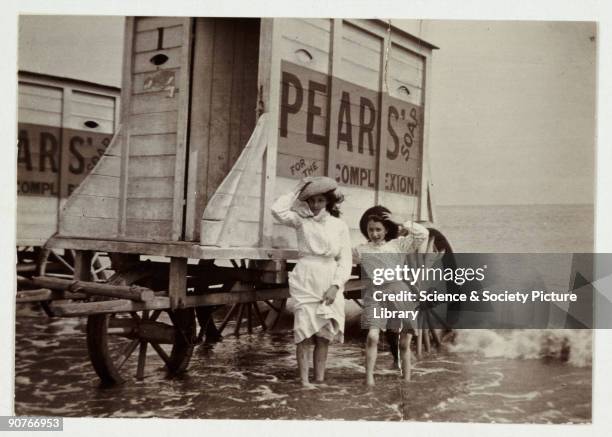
(512, 103)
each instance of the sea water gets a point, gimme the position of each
(529, 376)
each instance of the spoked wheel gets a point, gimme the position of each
(247, 313)
(114, 339)
(60, 264)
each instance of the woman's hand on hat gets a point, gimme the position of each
(303, 183)
(330, 295)
(391, 218)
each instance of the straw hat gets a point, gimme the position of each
(317, 185)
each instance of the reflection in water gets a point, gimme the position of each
(254, 377)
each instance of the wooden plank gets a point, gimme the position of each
(148, 40)
(238, 86)
(102, 185)
(156, 144)
(108, 306)
(367, 56)
(95, 112)
(321, 23)
(228, 298)
(150, 187)
(147, 166)
(95, 206)
(244, 233)
(39, 117)
(182, 129)
(169, 248)
(382, 122)
(126, 96)
(73, 225)
(108, 166)
(78, 122)
(149, 230)
(177, 288)
(39, 103)
(159, 101)
(93, 99)
(361, 35)
(218, 149)
(402, 54)
(358, 74)
(423, 213)
(162, 81)
(334, 104)
(64, 158)
(197, 192)
(42, 90)
(149, 209)
(154, 123)
(149, 23)
(303, 32)
(82, 268)
(290, 51)
(143, 64)
(269, 48)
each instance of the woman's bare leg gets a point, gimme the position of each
(320, 358)
(303, 362)
(371, 353)
(404, 344)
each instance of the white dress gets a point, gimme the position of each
(390, 254)
(325, 259)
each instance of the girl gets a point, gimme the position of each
(382, 231)
(317, 281)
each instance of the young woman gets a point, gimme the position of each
(382, 231)
(317, 281)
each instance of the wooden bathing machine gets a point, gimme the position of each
(219, 116)
(64, 126)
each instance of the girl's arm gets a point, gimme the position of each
(281, 208)
(416, 239)
(344, 260)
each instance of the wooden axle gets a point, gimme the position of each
(45, 294)
(134, 293)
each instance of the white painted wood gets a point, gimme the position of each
(148, 40)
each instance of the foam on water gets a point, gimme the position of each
(573, 346)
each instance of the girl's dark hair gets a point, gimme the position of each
(333, 198)
(376, 213)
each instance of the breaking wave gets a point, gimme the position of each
(572, 346)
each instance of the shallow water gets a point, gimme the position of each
(254, 377)
(487, 376)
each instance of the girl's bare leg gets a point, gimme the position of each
(404, 344)
(320, 358)
(302, 359)
(371, 353)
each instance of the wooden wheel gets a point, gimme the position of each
(112, 341)
(241, 312)
(61, 264)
